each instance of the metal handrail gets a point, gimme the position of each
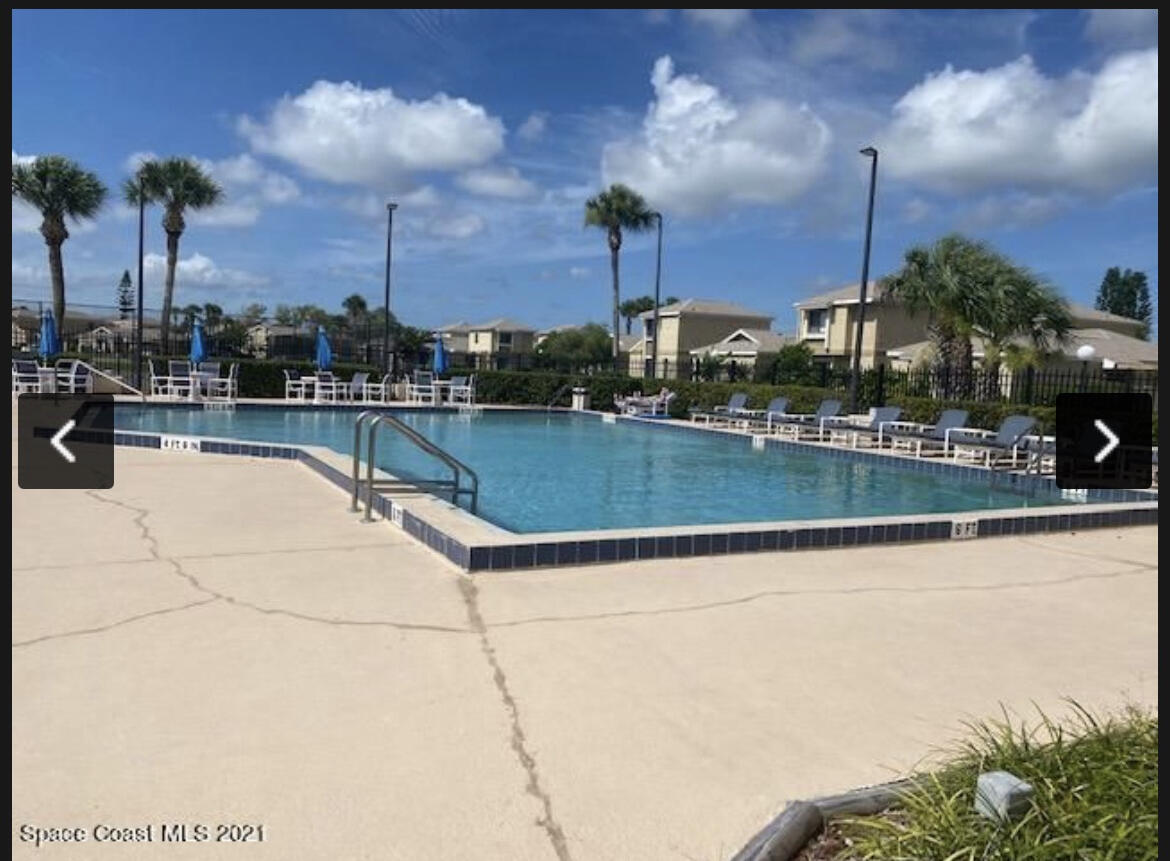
(456, 465)
(566, 387)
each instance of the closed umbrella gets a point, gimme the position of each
(198, 349)
(50, 344)
(324, 354)
(439, 363)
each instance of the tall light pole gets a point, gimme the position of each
(855, 376)
(141, 241)
(386, 368)
(657, 285)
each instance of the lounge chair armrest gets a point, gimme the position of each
(898, 425)
(954, 435)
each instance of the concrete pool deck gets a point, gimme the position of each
(217, 640)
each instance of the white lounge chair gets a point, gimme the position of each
(73, 377)
(355, 389)
(327, 388)
(462, 390)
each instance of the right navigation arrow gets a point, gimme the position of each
(1109, 446)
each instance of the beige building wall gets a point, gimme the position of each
(481, 342)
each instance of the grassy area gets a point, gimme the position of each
(1096, 796)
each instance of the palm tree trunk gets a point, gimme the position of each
(57, 274)
(169, 291)
(613, 262)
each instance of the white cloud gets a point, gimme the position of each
(25, 218)
(1012, 126)
(201, 271)
(136, 159)
(720, 20)
(22, 159)
(456, 226)
(344, 133)
(579, 272)
(533, 127)
(24, 274)
(495, 182)
(698, 150)
(1122, 28)
(855, 35)
(245, 172)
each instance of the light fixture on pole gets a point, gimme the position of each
(855, 371)
(657, 285)
(386, 367)
(141, 242)
(1085, 352)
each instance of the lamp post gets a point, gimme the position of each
(855, 375)
(386, 368)
(657, 285)
(1084, 353)
(141, 241)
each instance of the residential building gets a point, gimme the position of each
(455, 336)
(275, 340)
(689, 325)
(500, 336)
(827, 323)
(743, 346)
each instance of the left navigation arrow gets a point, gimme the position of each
(60, 446)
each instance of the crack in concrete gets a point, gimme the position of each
(152, 546)
(798, 593)
(1044, 545)
(548, 822)
(103, 628)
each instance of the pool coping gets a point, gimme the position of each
(474, 544)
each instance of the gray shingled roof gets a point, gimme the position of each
(841, 296)
(713, 307)
(766, 340)
(501, 324)
(1127, 352)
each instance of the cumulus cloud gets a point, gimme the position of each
(698, 150)
(202, 271)
(462, 226)
(495, 182)
(722, 21)
(25, 218)
(344, 133)
(1122, 28)
(578, 272)
(1013, 127)
(533, 128)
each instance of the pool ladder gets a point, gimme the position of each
(372, 420)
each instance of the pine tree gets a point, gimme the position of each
(125, 295)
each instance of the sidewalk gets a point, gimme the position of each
(217, 640)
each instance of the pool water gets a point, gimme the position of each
(558, 472)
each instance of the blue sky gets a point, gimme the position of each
(1034, 130)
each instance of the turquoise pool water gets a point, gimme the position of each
(552, 472)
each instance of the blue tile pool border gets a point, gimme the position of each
(713, 540)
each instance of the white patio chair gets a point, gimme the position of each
(294, 386)
(327, 388)
(180, 376)
(227, 387)
(73, 377)
(379, 392)
(463, 390)
(421, 389)
(25, 376)
(355, 389)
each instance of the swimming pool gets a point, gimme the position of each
(551, 472)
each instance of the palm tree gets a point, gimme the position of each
(177, 184)
(58, 188)
(970, 290)
(941, 280)
(631, 308)
(613, 210)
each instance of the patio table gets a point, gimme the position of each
(48, 379)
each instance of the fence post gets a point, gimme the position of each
(824, 374)
(880, 395)
(1029, 383)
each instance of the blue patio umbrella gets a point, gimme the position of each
(324, 354)
(50, 344)
(439, 362)
(198, 349)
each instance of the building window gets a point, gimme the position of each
(816, 322)
(648, 328)
(505, 342)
